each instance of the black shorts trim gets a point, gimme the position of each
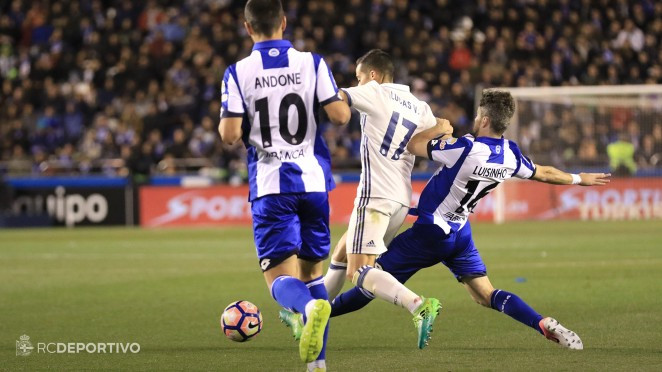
(471, 276)
(268, 263)
(313, 259)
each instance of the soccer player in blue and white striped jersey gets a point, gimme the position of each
(271, 100)
(471, 167)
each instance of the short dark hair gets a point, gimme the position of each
(264, 16)
(499, 106)
(377, 60)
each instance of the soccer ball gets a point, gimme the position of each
(241, 321)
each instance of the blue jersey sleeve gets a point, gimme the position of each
(525, 167)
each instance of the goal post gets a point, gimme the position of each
(615, 129)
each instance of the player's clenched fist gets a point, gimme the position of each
(444, 126)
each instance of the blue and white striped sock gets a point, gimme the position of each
(352, 300)
(318, 291)
(513, 306)
(291, 293)
(335, 278)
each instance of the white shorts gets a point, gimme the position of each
(373, 225)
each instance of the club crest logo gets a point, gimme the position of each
(24, 346)
(273, 52)
(443, 143)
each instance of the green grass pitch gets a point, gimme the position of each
(165, 289)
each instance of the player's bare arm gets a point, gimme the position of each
(338, 111)
(418, 145)
(549, 174)
(230, 130)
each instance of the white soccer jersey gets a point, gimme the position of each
(471, 168)
(278, 90)
(390, 116)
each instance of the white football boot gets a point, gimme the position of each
(554, 331)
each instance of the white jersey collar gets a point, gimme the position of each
(397, 86)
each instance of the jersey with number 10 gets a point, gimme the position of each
(390, 116)
(278, 91)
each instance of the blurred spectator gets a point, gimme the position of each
(141, 160)
(588, 153)
(649, 156)
(73, 123)
(621, 157)
(630, 37)
(19, 162)
(460, 58)
(178, 148)
(203, 140)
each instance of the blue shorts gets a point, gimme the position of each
(289, 224)
(425, 245)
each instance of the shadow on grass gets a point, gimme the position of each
(216, 348)
(498, 348)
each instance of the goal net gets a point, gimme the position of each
(616, 129)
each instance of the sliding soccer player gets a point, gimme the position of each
(471, 167)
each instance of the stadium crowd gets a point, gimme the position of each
(128, 87)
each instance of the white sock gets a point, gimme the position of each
(383, 285)
(335, 278)
(309, 307)
(414, 305)
(317, 364)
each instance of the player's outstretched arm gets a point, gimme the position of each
(230, 130)
(418, 145)
(548, 174)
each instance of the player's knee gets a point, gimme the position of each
(358, 275)
(482, 298)
(354, 275)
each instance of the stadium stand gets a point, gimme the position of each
(132, 88)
